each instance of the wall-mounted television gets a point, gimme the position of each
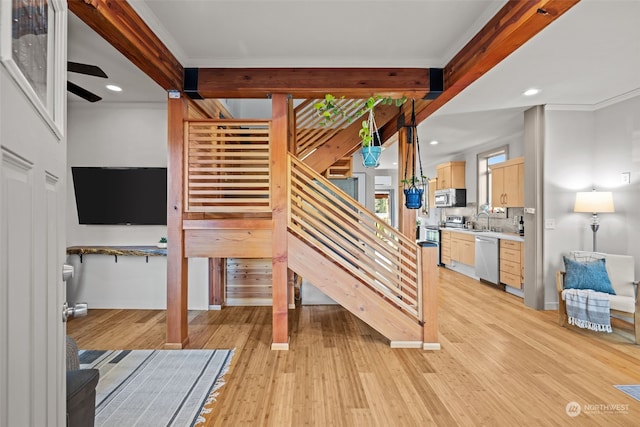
(114, 195)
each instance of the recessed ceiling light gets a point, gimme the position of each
(531, 92)
(434, 142)
(114, 88)
(395, 163)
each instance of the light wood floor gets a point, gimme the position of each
(501, 364)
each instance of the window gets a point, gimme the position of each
(485, 160)
(383, 206)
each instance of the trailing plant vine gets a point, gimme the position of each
(330, 110)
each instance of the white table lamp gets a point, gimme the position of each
(594, 202)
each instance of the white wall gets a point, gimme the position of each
(585, 150)
(111, 134)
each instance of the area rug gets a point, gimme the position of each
(631, 390)
(155, 387)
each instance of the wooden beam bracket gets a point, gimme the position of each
(191, 83)
(436, 83)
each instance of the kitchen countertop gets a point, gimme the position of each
(500, 235)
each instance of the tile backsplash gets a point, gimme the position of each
(500, 222)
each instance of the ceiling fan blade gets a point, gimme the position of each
(82, 93)
(91, 70)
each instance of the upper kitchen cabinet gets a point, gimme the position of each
(507, 183)
(450, 175)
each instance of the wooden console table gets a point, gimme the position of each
(145, 251)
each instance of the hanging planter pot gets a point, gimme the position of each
(413, 194)
(413, 197)
(371, 156)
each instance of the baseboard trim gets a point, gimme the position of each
(292, 306)
(280, 346)
(177, 345)
(405, 344)
(431, 346)
(215, 307)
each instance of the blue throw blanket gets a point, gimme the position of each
(588, 309)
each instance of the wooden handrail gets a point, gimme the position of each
(354, 238)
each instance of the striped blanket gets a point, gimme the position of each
(588, 309)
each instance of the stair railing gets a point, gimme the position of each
(351, 236)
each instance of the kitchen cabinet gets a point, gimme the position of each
(432, 192)
(463, 248)
(445, 247)
(511, 263)
(450, 175)
(507, 183)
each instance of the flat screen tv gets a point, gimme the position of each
(113, 195)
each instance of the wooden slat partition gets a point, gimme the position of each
(311, 133)
(249, 281)
(227, 164)
(354, 238)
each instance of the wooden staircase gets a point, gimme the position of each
(348, 291)
(346, 251)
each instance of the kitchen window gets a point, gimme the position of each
(485, 160)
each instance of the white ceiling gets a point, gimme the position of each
(585, 59)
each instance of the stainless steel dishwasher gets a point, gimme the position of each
(487, 252)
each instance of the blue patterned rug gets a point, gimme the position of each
(155, 387)
(631, 390)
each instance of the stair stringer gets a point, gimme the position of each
(351, 293)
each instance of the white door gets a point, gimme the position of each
(32, 243)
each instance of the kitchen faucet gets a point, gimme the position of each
(488, 218)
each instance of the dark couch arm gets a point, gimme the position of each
(81, 397)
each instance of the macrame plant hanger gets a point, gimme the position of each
(371, 153)
(413, 194)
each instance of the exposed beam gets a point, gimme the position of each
(310, 82)
(513, 25)
(119, 24)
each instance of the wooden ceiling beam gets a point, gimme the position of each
(119, 24)
(517, 22)
(312, 82)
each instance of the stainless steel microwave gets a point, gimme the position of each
(451, 197)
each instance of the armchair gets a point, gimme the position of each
(621, 270)
(81, 390)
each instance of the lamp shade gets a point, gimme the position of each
(594, 201)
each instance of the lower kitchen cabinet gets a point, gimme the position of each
(511, 263)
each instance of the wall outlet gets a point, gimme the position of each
(550, 223)
(626, 177)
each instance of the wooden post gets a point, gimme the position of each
(407, 217)
(279, 202)
(429, 260)
(177, 265)
(217, 282)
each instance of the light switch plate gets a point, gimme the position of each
(550, 223)
(626, 177)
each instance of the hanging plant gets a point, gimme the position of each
(330, 110)
(413, 194)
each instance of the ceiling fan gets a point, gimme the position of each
(90, 70)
